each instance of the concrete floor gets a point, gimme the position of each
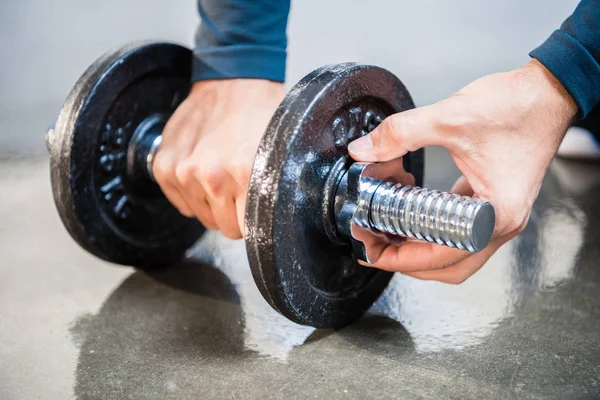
(71, 326)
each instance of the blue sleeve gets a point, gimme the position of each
(572, 54)
(241, 39)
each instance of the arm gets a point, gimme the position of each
(205, 160)
(241, 39)
(572, 54)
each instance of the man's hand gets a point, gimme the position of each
(204, 163)
(502, 132)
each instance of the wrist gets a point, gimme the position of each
(236, 83)
(552, 93)
(222, 88)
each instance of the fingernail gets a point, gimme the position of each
(361, 145)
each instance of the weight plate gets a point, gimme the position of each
(303, 273)
(111, 213)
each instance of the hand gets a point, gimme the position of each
(204, 163)
(502, 131)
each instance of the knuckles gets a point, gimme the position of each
(184, 175)
(190, 173)
(163, 170)
(215, 176)
(241, 172)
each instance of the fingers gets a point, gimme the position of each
(206, 157)
(398, 134)
(189, 184)
(221, 190)
(241, 169)
(393, 171)
(375, 242)
(225, 215)
(428, 261)
(459, 272)
(210, 191)
(240, 207)
(179, 136)
(413, 256)
(176, 198)
(462, 187)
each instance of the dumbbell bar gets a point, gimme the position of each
(305, 197)
(369, 201)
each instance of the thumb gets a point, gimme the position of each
(398, 134)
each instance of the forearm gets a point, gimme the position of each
(241, 39)
(572, 54)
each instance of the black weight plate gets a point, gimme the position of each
(110, 214)
(300, 271)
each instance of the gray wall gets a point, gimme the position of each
(435, 47)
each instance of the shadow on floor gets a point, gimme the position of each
(154, 324)
(174, 333)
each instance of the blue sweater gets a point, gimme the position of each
(241, 39)
(247, 39)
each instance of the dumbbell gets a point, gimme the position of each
(306, 197)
